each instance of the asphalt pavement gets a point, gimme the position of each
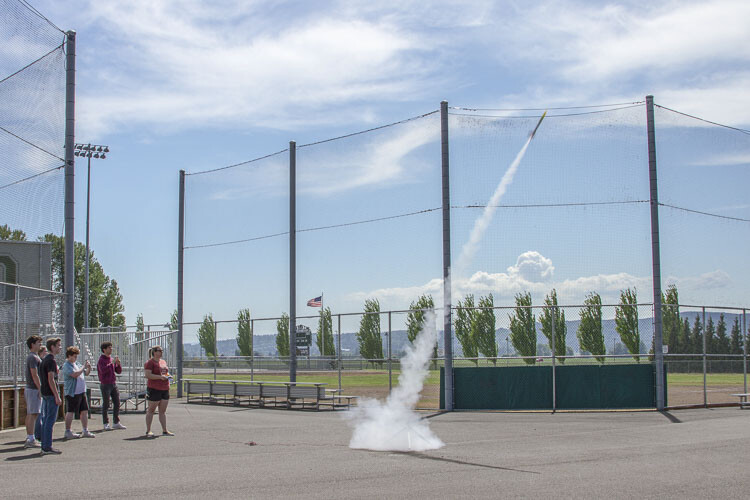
(229, 452)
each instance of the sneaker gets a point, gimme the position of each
(71, 435)
(119, 425)
(33, 443)
(167, 433)
(107, 427)
(88, 434)
(149, 434)
(51, 451)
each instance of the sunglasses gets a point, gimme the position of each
(157, 350)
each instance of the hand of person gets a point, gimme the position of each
(117, 360)
(88, 364)
(58, 401)
(164, 377)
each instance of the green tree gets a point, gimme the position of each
(368, 336)
(105, 300)
(483, 328)
(282, 335)
(324, 334)
(523, 328)
(244, 333)
(173, 324)
(415, 320)
(416, 314)
(550, 315)
(696, 337)
(6, 233)
(462, 325)
(683, 341)
(140, 327)
(722, 340)
(626, 322)
(111, 311)
(207, 335)
(590, 334)
(735, 339)
(670, 319)
(710, 333)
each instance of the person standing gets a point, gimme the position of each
(32, 395)
(107, 370)
(74, 377)
(157, 389)
(51, 401)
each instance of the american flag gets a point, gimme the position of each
(316, 302)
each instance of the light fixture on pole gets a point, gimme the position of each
(100, 153)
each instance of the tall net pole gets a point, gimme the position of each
(447, 340)
(292, 261)
(180, 283)
(70, 94)
(655, 256)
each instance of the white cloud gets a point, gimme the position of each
(532, 266)
(204, 67)
(723, 160)
(533, 273)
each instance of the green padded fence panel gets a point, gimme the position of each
(611, 386)
(578, 387)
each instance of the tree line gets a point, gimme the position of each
(475, 329)
(106, 306)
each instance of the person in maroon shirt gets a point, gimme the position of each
(106, 369)
(157, 390)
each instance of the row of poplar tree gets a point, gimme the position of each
(475, 328)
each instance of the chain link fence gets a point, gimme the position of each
(707, 367)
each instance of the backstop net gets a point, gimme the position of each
(32, 128)
(550, 234)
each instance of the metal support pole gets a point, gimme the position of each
(252, 350)
(180, 262)
(554, 365)
(339, 354)
(16, 352)
(447, 320)
(292, 261)
(655, 253)
(705, 393)
(390, 371)
(216, 349)
(69, 273)
(88, 206)
(744, 351)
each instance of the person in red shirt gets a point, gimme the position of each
(157, 390)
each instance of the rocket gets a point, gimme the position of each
(537, 125)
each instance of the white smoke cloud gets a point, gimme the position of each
(393, 425)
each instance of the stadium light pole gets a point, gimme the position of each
(99, 152)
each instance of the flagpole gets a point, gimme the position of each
(322, 326)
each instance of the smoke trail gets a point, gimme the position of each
(481, 224)
(393, 425)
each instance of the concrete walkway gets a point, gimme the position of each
(686, 454)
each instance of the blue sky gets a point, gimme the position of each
(200, 85)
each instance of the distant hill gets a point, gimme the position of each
(265, 345)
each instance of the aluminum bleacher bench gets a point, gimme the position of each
(193, 387)
(251, 392)
(744, 404)
(276, 395)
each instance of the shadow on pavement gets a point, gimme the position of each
(460, 462)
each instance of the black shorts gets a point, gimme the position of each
(156, 394)
(77, 403)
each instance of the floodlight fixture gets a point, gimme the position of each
(88, 151)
